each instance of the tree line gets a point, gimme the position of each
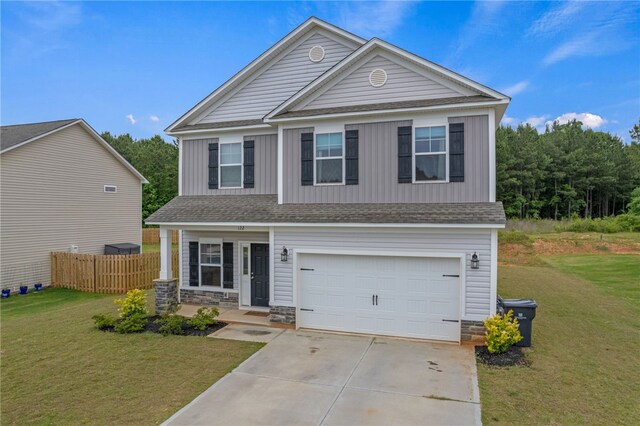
(565, 172)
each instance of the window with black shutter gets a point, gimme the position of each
(248, 164)
(194, 265)
(227, 265)
(351, 157)
(306, 159)
(213, 165)
(404, 154)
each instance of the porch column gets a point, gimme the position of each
(165, 254)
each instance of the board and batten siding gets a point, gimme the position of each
(402, 84)
(53, 196)
(378, 163)
(195, 167)
(227, 237)
(286, 76)
(477, 289)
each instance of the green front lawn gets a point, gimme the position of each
(57, 369)
(586, 340)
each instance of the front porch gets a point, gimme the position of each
(230, 268)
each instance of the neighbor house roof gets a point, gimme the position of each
(15, 136)
(264, 209)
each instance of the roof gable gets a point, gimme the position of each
(38, 131)
(439, 82)
(403, 83)
(212, 109)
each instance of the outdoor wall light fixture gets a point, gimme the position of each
(475, 262)
(284, 255)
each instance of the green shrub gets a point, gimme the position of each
(104, 321)
(629, 222)
(514, 237)
(171, 324)
(133, 323)
(204, 318)
(502, 332)
(134, 304)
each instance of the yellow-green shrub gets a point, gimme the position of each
(134, 304)
(502, 332)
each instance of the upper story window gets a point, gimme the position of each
(430, 154)
(231, 165)
(329, 161)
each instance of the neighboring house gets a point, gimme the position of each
(62, 188)
(341, 184)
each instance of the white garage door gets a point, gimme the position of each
(395, 296)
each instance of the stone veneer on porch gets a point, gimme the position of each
(209, 298)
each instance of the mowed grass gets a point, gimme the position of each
(57, 369)
(586, 340)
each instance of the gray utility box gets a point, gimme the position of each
(524, 310)
(122, 248)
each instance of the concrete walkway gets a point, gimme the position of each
(311, 378)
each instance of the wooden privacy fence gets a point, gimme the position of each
(107, 273)
(152, 236)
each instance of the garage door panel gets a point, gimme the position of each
(413, 297)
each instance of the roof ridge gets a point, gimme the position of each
(67, 120)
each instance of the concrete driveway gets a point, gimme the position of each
(311, 378)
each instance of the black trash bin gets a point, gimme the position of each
(524, 310)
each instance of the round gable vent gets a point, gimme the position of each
(378, 77)
(316, 53)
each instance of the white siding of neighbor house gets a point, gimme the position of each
(195, 167)
(53, 196)
(378, 168)
(287, 75)
(477, 291)
(227, 237)
(402, 84)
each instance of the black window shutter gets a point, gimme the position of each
(405, 174)
(306, 159)
(248, 163)
(351, 157)
(456, 152)
(227, 266)
(213, 165)
(193, 264)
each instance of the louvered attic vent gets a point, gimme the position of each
(378, 77)
(316, 53)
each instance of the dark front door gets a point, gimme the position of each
(259, 274)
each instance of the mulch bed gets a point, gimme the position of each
(513, 356)
(187, 330)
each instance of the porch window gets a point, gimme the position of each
(210, 264)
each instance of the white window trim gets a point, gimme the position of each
(241, 164)
(315, 174)
(200, 264)
(110, 186)
(413, 152)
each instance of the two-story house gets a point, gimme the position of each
(340, 184)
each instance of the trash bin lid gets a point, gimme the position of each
(519, 303)
(123, 245)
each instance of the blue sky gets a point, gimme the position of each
(134, 67)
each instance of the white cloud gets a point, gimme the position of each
(555, 19)
(51, 16)
(516, 88)
(508, 121)
(592, 121)
(372, 19)
(536, 121)
(154, 118)
(485, 19)
(131, 118)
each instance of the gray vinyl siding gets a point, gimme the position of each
(402, 84)
(478, 281)
(195, 167)
(290, 73)
(227, 237)
(53, 196)
(378, 162)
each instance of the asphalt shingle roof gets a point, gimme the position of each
(18, 133)
(219, 125)
(384, 106)
(265, 209)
